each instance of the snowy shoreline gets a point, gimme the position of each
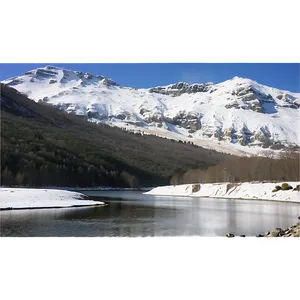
(238, 191)
(22, 198)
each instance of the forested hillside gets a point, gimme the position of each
(41, 145)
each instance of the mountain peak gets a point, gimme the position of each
(241, 79)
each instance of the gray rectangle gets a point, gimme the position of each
(185, 243)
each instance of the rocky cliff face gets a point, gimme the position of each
(180, 88)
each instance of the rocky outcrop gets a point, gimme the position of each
(88, 76)
(292, 231)
(188, 120)
(180, 88)
(277, 232)
(121, 116)
(93, 114)
(248, 98)
(151, 116)
(104, 80)
(108, 82)
(15, 81)
(45, 73)
(233, 104)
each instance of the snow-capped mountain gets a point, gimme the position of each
(236, 115)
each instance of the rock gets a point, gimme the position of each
(278, 187)
(108, 82)
(121, 116)
(272, 234)
(188, 120)
(232, 105)
(295, 236)
(88, 76)
(279, 231)
(297, 188)
(242, 235)
(285, 186)
(288, 235)
(100, 77)
(93, 114)
(287, 231)
(259, 237)
(156, 118)
(276, 146)
(230, 236)
(143, 111)
(293, 230)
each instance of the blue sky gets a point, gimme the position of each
(282, 76)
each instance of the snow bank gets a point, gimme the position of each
(246, 190)
(17, 198)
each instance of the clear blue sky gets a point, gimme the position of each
(282, 76)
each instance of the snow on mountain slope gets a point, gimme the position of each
(235, 116)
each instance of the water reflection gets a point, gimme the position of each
(135, 214)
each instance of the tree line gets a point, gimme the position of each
(284, 167)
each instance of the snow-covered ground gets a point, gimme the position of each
(233, 116)
(246, 190)
(17, 198)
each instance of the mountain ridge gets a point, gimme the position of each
(238, 113)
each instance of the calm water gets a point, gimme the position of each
(132, 214)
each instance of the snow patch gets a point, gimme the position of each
(246, 190)
(22, 198)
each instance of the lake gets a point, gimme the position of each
(132, 214)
